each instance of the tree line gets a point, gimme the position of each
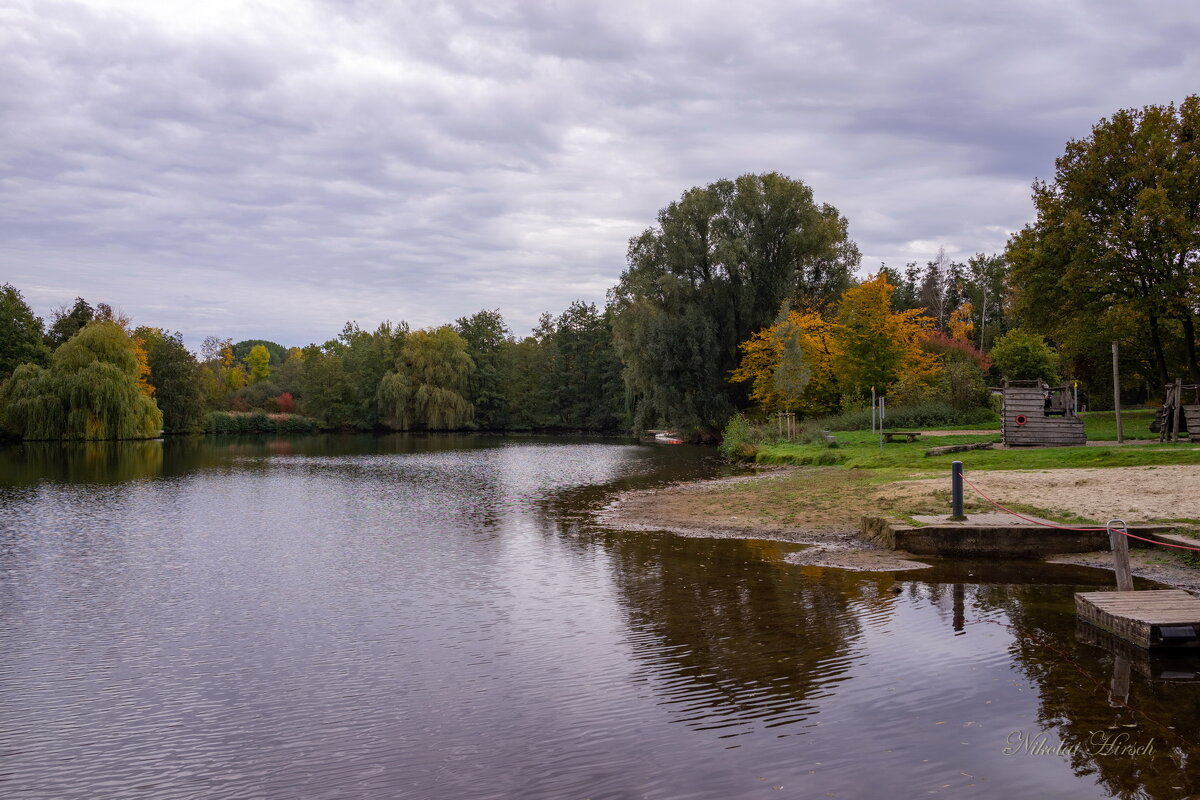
(742, 296)
(90, 374)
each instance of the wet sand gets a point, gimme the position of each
(711, 509)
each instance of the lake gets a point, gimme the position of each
(439, 617)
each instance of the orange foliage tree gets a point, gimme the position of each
(806, 363)
(791, 365)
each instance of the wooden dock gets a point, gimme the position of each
(1153, 618)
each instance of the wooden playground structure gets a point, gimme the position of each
(1036, 415)
(1179, 416)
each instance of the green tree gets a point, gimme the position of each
(66, 322)
(177, 380)
(1119, 226)
(489, 346)
(328, 392)
(427, 387)
(525, 404)
(1024, 356)
(585, 387)
(289, 375)
(719, 265)
(341, 378)
(368, 357)
(258, 361)
(20, 333)
(90, 391)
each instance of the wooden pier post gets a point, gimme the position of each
(1118, 687)
(1119, 543)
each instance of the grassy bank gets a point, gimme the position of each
(861, 450)
(857, 451)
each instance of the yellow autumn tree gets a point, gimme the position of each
(881, 347)
(960, 325)
(143, 366)
(805, 363)
(232, 373)
(791, 365)
(259, 361)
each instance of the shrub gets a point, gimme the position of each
(257, 422)
(738, 440)
(924, 415)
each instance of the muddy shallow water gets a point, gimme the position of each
(442, 617)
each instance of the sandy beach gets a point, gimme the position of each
(821, 507)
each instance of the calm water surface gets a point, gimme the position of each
(437, 617)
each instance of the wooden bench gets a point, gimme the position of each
(911, 436)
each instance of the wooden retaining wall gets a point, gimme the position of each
(1039, 429)
(1192, 415)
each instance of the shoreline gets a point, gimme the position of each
(819, 509)
(687, 509)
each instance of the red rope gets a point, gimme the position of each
(967, 481)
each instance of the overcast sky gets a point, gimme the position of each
(252, 169)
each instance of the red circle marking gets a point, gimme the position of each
(1021, 419)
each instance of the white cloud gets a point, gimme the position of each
(275, 168)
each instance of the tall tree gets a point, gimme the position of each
(934, 287)
(258, 362)
(426, 390)
(584, 380)
(20, 333)
(89, 391)
(1024, 356)
(987, 292)
(66, 322)
(880, 347)
(341, 378)
(488, 344)
(177, 380)
(721, 263)
(278, 353)
(1120, 226)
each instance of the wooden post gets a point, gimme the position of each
(1119, 543)
(1118, 688)
(1177, 436)
(1117, 396)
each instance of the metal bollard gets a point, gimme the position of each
(956, 491)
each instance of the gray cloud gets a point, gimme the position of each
(276, 168)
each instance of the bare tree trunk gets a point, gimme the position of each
(1189, 344)
(1160, 360)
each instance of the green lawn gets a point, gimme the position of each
(861, 450)
(1101, 426)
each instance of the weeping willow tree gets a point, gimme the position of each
(92, 390)
(428, 387)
